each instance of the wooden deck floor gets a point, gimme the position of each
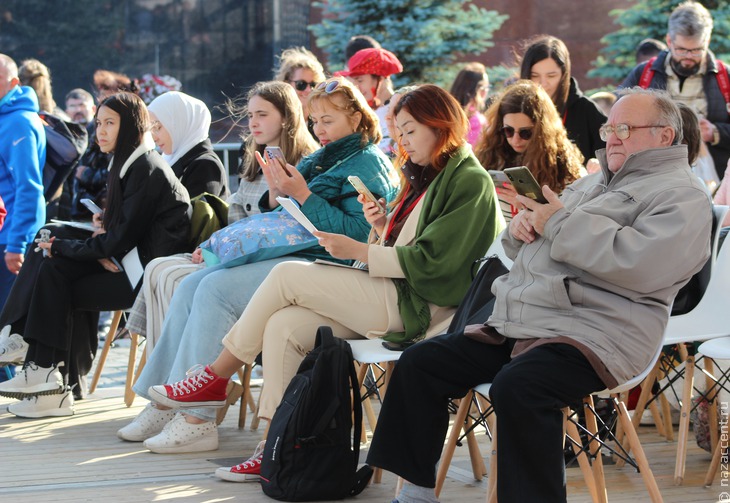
(80, 459)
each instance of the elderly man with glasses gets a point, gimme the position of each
(583, 308)
(691, 74)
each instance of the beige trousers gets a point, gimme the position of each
(293, 301)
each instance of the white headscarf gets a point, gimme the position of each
(187, 119)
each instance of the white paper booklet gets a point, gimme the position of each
(132, 266)
(293, 208)
(78, 225)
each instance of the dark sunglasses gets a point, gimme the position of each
(301, 85)
(329, 87)
(525, 133)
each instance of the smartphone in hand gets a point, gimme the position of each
(275, 153)
(91, 206)
(525, 184)
(362, 189)
(498, 177)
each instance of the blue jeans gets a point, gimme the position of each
(202, 311)
(7, 279)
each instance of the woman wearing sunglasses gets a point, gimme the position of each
(419, 258)
(525, 130)
(207, 303)
(300, 68)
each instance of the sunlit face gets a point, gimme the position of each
(331, 124)
(265, 122)
(161, 135)
(518, 122)
(80, 111)
(107, 129)
(417, 139)
(634, 110)
(367, 84)
(687, 54)
(390, 117)
(547, 74)
(306, 75)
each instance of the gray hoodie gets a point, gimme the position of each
(608, 266)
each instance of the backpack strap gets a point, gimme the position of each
(647, 74)
(723, 82)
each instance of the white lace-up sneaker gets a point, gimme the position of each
(12, 348)
(34, 407)
(180, 436)
(148, 423)
(33, 380)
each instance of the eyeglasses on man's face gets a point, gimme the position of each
(525, 133)
(622, 131)
(301, 85)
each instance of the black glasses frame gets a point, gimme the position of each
(525, 133)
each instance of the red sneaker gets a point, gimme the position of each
(248, 471)
(202, 388)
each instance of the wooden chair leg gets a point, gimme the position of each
(667, 417)
(683, 434)
(714, 465)
(478, 468)
(595, 448)
(245, 376)
(450, 447)
(492, 478)
(639, 455)
(712, 414)
(256, 419)
(128, 393)
(571, 430)
(105, 351)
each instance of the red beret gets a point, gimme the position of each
(372, 62)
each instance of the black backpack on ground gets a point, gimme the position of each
(311, 452)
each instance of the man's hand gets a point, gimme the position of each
(521, 229)
(13, 261)
(538, 214)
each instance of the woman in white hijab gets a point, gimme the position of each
(180, 126)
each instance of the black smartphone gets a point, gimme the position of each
(525, 184)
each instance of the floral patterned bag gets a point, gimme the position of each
(259, 237)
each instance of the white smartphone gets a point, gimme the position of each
(275, 153)
(91, 206)
(498, 177)
(362, 189)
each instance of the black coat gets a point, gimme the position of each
(582, 119)
(200, 170)
(154, 217)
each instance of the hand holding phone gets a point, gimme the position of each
(525, 184)
(362, 189)
(274, 152)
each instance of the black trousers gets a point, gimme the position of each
(55, 302)
(528, 393)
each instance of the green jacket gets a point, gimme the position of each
(459, 221)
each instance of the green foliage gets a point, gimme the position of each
(428, 36)
(648, 19)
(73, 37)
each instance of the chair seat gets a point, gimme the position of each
(372, 351)
(716, 348)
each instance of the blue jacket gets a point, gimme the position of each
(333, 205)
(22, 156)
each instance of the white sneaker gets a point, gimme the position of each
(180, 436)
(13, 349)
(4, 333)
(58, 405)
(148, 423)
(33, 380)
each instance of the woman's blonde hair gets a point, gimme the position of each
(298, 57)
(347, 98)
(295, 140)
(551, 157)
(35, 74)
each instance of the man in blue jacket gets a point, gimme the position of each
(22, 156)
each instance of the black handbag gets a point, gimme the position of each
(477, 305)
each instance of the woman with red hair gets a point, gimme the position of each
(419, 259)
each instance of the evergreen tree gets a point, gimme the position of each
(427, 35)
(648, 19)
